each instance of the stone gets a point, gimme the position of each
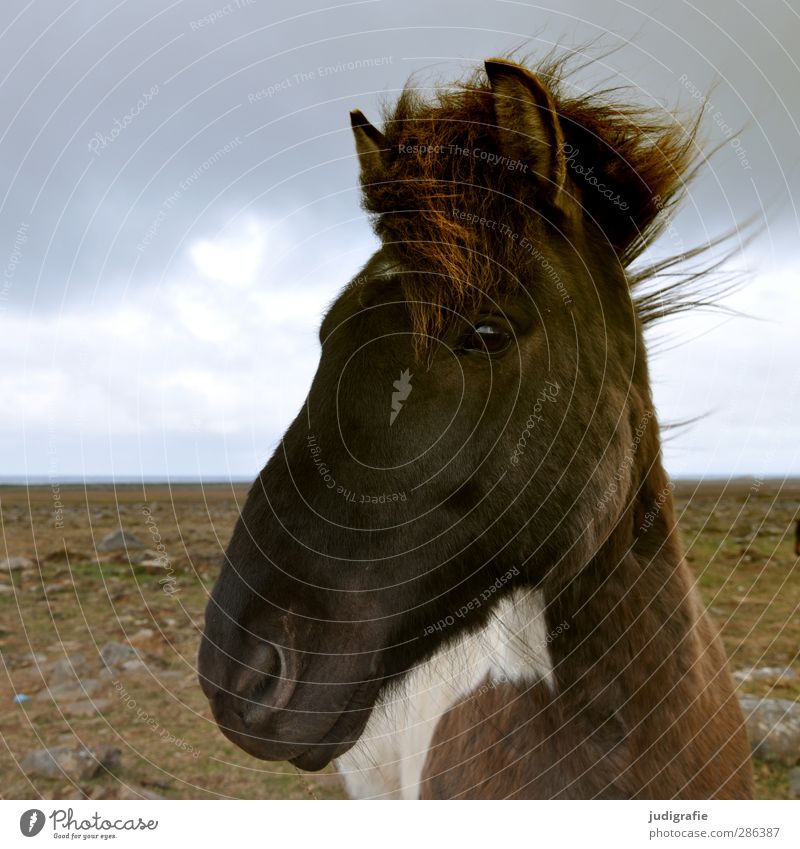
(773, 726)
(70, 691)
(171, 677)
(149, 642)
(66, 646)
(57, 587)
(71, 794)
(773, 674)
(142, 637)
(16, 564)
(134, 791)
(794, 783)
(121, 791)
(119, 539)
(70, 669)
(156, 565)
(116, 655)
(77, 763)
(144, 557)
(87, 707)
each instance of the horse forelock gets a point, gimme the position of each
(444, 171)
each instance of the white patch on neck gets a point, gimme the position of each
(388, 759)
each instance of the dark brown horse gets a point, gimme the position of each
(459, 574)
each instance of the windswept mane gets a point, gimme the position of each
(443, 157)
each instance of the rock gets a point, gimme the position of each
(120, 791)
(116, 655)
(66, 646)
(16, 564)
(142, 636)
(86, 707)
(78, 763)
(146, 556)
(149, 642)
(57, 587)
(773, 674)
(794, 783)
(70, 669)
(773, 726)
(70, 794)
(6, 589)
(155, 566)
(134, 791)
(173, 677)
(70, 691)
(119, 539)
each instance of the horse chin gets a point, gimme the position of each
(292, 741)
(321, 754)
(341, 737)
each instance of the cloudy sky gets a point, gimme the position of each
(179, 205)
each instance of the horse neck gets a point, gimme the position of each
(631, 611)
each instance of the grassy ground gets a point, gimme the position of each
(737, 539)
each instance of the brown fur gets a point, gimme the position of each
(643, 155)
(644, 706)
(606, 732)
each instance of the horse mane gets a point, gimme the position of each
(646, 156)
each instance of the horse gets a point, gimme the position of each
(459, 574)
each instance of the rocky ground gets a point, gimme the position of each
(102, 591)
(99, 647)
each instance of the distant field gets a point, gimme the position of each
(739, 542)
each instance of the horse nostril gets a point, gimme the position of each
(264, 681)
(208, 670)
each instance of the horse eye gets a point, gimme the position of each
(487, 338)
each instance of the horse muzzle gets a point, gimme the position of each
(271, 704)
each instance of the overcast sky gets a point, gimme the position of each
(179, 205)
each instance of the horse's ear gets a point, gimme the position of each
(371, 146)
(526, 117)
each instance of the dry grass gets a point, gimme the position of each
(738, 541)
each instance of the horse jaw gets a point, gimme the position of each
(388, 760)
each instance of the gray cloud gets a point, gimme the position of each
(133, 132)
